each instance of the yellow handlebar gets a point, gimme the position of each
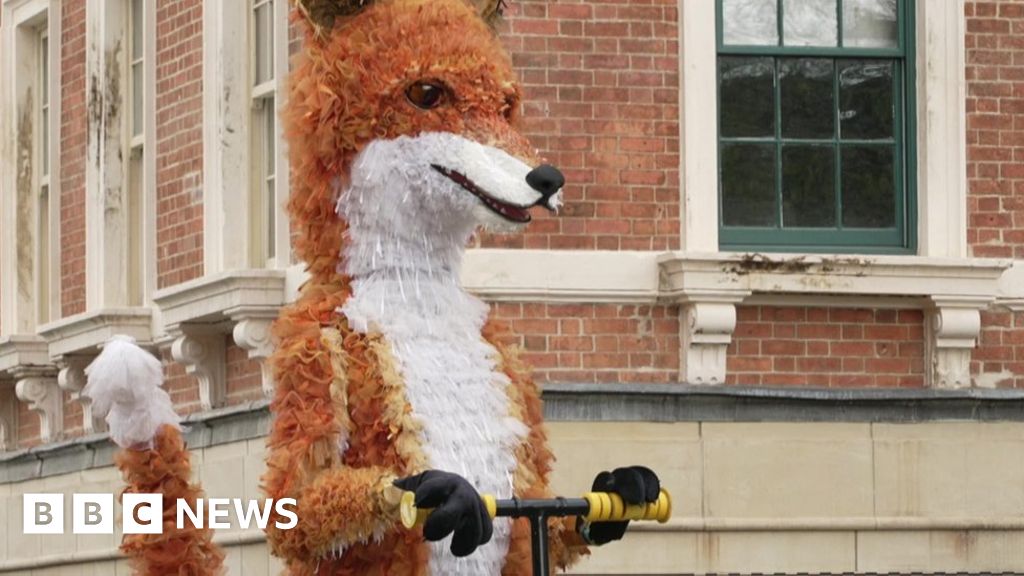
(603, 507)
(609, 507)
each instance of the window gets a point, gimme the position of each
(136, 182)
(136, 19)
(43, 204)
(264, 149)
(815, 125)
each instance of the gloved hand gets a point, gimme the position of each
(635, 484)
(457, 508)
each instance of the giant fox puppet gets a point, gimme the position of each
(401, 126)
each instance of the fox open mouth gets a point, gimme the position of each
(508, 211)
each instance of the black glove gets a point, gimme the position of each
(457, 508)
(635, 484)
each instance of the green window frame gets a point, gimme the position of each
(824, 156)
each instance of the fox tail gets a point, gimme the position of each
(124, 383)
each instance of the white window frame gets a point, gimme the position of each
(24, 306)
(264, 125)
(115, 276)
(230, 137)
(140, 169)
(940, 138)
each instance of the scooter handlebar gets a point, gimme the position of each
(593, 507)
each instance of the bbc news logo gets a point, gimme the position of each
(143, 513)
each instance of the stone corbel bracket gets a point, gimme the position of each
(952, 291)
(75, 340)
(38, 388)
(71, 379)
(21, 355)
(952, 327)
(708, 323)
(252, 334)
(199, 315)
(203, 356)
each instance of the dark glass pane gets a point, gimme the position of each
(807, 104)
(808, 187)
(750, 22)
(138, 28)
(866, 99)
(869, 190)
(746, 91)
(748, 185)
(809, 23)
(870, 23)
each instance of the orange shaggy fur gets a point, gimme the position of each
(348, 88)
(165, 469)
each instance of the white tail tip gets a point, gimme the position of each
(124, 383)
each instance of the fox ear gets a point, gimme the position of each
(491, 10)
(320, 14)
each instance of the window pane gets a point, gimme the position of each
(136, 266)
(137, 92)
(748, 185)
(869, 198)
(807, 103)
(44, 142)
(809, 23)
(44, 68)
(747, 96)
(270, 144)
(866, 99)
(750, 22)
(870, 23)
(270, 194)
(43, 255)
(138, 27)
(808, 186)
(263, 40)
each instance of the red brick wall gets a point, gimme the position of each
(999, 359)
(73, 416)
(28, 426)
(179, 141)
(242, 380)
(995, 170)
(72, 158)
(831, 347)
(601, 83)
(183, 389)
(244, 376)
(595, 342)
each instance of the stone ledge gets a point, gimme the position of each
(86, 333)
(684, 274)
(202, 430)
(591, 402)
(215, 299)
(688, 403)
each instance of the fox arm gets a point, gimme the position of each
(566, 545)
(336, 505)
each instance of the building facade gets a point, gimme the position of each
(789, 269)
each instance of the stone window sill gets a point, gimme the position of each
(953, 292)
(196, 315)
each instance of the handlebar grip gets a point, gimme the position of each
(412, 516)
(609, 507)
(603, 507)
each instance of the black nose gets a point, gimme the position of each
(547, 180)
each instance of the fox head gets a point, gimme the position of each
(403, 114)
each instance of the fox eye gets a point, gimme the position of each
(426, 94)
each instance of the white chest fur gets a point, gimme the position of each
(454, 389)
(408, 227)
